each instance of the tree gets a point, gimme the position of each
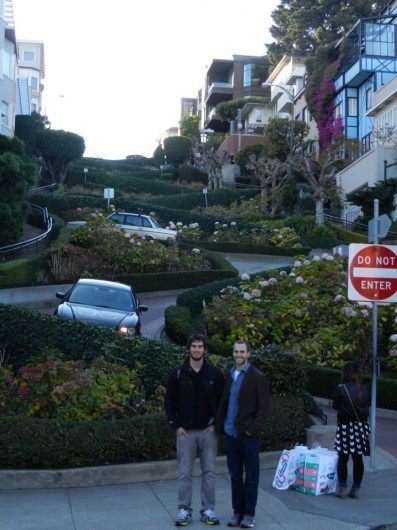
(271, 173)
(277, 137)
(300, 26)
(177, 149)
(158, 156)
(384, 191)
(213, 162)
(16, 176)
(319, 174)
(189, 126)
(58, 148)
(227, 110)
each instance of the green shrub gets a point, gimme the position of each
(178, 324)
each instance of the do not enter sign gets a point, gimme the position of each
(372, 273)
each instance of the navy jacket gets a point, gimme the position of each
(179, 397)
(253, 403)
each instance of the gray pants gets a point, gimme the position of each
(205, 446)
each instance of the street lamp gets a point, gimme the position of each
(291, 140)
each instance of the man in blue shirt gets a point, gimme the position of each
(242, 414)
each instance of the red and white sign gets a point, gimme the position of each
(372, 273)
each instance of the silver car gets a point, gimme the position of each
(102, 302)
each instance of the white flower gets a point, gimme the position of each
(195, 251)
(364, 312)
(316, 258)
(151, 241)
(292, 274)
(216, 223)
(327, 257)
(132, 241)
(215, 233)
(256, 293)
(192, 225)
(172, 225)
(348, 311)
(306, 262)
(283, 273)
(272, 281)
(127, 235)
(224, 225)
(245, 276)
(233, 223)
(152, 214)
(276, 230)
(264, 283)
(179, 224)
(139, 244)
(299, 279)
(93, 214)
(79, 209)
(247, 296)
(298, 263)
(339, 298)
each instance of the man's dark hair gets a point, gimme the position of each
(197, 337)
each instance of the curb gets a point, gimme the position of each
(110, 475)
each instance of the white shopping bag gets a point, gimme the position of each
(316, 473)
(285, 475)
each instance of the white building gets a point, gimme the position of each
(8, 54)
(30, 76)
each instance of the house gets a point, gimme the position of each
(30, 73)
(8, 51)
(364, 99)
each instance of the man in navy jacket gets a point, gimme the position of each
(242, 414)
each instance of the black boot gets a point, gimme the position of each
(354, 492)
(341, 491)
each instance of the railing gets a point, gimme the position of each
(352, 225)
(47, 223)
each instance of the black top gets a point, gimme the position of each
(344, 407)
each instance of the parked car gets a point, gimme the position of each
(102, 302)
(142, 225)
(136, 224)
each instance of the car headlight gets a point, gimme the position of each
(126, 330)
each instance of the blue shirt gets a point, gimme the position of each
(237, 378)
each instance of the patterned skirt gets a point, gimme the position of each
(352, 437)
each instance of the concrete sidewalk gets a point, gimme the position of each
(144, 501)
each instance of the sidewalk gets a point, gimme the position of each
(152, 503)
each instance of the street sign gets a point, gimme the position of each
(384, 224)
(372, 273)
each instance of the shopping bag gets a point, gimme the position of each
(316, 472)
(284, 477)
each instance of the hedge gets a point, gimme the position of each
(29, 443)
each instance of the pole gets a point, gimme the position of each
(374, 347)
(291, 140)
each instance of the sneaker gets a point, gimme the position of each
(247, 522)
(209, 517)
(235, 520)
(184, 517)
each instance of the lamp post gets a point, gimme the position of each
(290, 95)
(85, 174)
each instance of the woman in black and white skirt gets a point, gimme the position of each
(352, 434)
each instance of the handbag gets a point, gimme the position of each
(364, 436)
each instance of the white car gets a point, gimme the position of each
(142, 225)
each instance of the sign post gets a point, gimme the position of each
(373, 277)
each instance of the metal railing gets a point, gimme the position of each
(47, 223)
(353, 225)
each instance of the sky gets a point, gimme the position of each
(116, 70)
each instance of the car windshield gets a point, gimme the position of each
(99, 296)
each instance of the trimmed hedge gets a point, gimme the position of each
(248, 248)
(29, 443)
(323, 382)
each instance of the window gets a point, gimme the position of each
(28, 56)
(338, 110)
(4, 113)
(8, 64)
(34, 83)
(380, 39)
(258, 116)
(352, 106)
(33, 108)
(247, 74)
(368, 99)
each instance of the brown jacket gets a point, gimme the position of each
(253, 403)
